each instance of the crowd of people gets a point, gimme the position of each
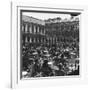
(44, 61)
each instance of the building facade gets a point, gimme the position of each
(33, 30)
(46, 32)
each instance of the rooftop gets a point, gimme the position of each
(33, 20)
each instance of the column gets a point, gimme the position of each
(38, 40)
(38, 30)
(41, 40)
(30, 40)
(26, 28)
(23, 28)
(30, 28)
(34, 40)
(34, 29)
(26, 40)
(41, 31)
(44, 31)
(54, 40)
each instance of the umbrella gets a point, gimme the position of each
(34, 53)
(47, 55)
(54, 67)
